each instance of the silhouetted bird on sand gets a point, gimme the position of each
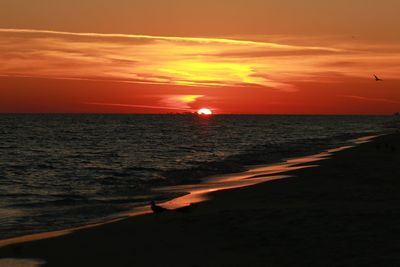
(157, 209)
(377, 78)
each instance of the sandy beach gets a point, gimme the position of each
(343, 212)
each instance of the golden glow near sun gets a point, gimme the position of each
(204, 111)
(183, 61)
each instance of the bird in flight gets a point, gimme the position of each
(377, 78)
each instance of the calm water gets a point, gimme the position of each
(58, 171)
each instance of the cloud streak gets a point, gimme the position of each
(370, 99)
(181, 61)
(137, 106)
(166, 38)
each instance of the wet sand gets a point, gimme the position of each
(344, 212)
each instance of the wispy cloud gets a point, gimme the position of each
(370, 99)
(136, 106)
(184, 61)
(180, 101)
(165, 102)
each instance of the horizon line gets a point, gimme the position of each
(195, 113)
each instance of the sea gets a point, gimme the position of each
(59, 171)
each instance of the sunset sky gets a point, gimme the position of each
(232, 56)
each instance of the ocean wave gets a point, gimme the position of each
(89, 167)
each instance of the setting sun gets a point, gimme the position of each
(204, 111)
(163, 120)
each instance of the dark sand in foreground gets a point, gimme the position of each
(346, 212)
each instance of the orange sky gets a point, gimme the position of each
(232, 56)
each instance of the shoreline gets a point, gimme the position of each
(70, 184)
(196, 193)
(166, 227)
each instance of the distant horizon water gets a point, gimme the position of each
(194, 113)
(63, 170)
